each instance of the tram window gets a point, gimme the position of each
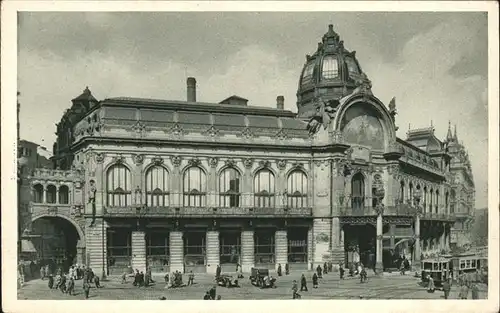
(467, 264)
(473, 263)
(427, 266)
(462, 264)
(436, 266)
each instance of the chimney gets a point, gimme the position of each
(191, 89)
(280, 103)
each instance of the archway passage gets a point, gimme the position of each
(360, 244)
(55, 240)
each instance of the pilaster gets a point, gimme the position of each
(176, 252)
(96, 242)
(247, 250)
(281, 241)
(139, 250)
(321, 241)
(213, 251)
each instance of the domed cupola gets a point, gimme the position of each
(331, 73)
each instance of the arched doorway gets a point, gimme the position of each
(360, 244)
(55, 240)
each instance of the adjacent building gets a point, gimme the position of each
(188, 185)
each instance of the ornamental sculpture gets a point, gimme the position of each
(229, 162)
(213, 162)
(176, 160)
(138, 158)
(248, 163)
(325, 113)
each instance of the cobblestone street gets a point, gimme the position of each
(390, 286)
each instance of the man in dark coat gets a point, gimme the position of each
(62, 285)
(86, 289)
(325, 268)
(341, 271)
(51, 281)
(315, 280)
(218, 271)
(287, 269)
(71, 287)
(279, 270)
(319, 271)
(97, 282)
(303, 283)
(213, 292)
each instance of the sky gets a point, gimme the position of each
(435, 64)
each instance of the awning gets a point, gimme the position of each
(27, 246)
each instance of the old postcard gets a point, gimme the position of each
(249, 151)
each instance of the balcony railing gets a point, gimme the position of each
(205, 212)
(438, 216)
(52, 173)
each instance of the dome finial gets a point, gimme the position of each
(449, 137)
(455, 137)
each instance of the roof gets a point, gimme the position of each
(198, 117)
(233, 97)
(86, 96)
(424, 139)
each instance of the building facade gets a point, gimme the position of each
(187, 185)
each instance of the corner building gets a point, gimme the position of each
(186, 185)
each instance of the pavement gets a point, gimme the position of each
(387, 286)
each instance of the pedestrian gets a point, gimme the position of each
(62, 285)
(86, 289)
(71, 286)
(295, 290)
(315, 280)
(136, 278)
(206, 296)
(430, 286)
(150, 275)
(363, 275)
(141, 279)
(218, 271)
(190, 278)
(319, 271)
(341, 271)
(97, 282)
(474, 291)
(287, 269)
(325, 268)
(464, 292)
(303, 283)
(42, 272)
(213, 292)
(51, 281)
(124, 278)
(447, 288)
(279, 269)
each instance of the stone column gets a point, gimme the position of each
(44, 193)
(139, 250)
(379, 267)
(321, 241)
(416, 261)
(96, 246)
(392, 232)
(176, 252)
(335, 233)
(57, 194)
(281, 242)
(310, 250)
(247, 250)
(213, 251)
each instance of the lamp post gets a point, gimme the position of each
(418, 210)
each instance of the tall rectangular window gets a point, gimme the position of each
(330, 68)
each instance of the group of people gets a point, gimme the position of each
(320, 271)
(465, 285)
(66, 281)
(140, 280)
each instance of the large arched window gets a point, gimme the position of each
(51, 194)
(453, 199)
(297, 190)
(307, 75)
(157, 191)
(330, 67)
(229, 188)
(263, 185)
(431, 196)
(358, 192)
(352, 67)
(118, 182)
(195, 187)
(410, 186)
(63, 194)
(38, 193)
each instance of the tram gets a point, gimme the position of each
(438, 269)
